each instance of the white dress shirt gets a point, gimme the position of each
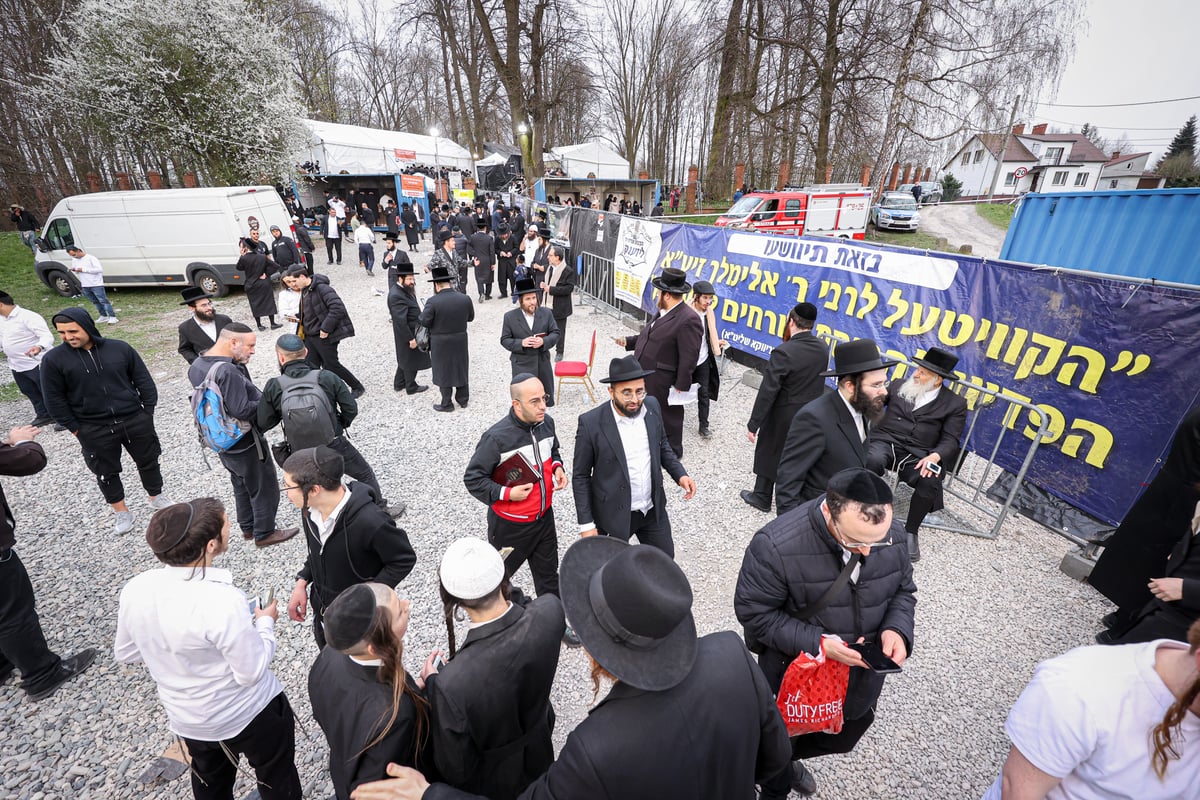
(636, 444)
(858, 417)
(209, 328)
(20, 332)
(209, 656)
(928, 397)
(364, 235)
(325, 526)
(92, 273)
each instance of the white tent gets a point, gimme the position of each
(494, 160)
(579, 160)
(372, 151)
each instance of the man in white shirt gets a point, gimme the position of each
(91, 281)
(621, 449)
(1103, 722)
(919, 436)
(24, 336)
(210, 655)
(338, 207)
(364, 237)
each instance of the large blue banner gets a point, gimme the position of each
(1115, 366)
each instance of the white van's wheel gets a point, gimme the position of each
(210, 283)
(61, 283)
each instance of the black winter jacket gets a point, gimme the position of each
(101, 385)
(321, 309)
(270, 407)
(538, 443)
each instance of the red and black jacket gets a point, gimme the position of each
(538, 443)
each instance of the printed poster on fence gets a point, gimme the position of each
(639, 243)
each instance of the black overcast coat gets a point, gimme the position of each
(322, 309)
(791, 380)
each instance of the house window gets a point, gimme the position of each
(1112, 184)
(1081, 179)
(1010, 179)
(966, 159)
(978, 156)
(1054, 155)
(1060, 178)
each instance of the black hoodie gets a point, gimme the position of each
(101, 385)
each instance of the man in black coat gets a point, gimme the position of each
(528, 332)
(559, 283)
(446, 315)
(506, 260)
(199, 331)
(830, 434)
(304, 242)
(668, 347)
(324, 324)
(492, 735)
(791, 380)
(27, 226)
(284, 251)
(919, 436)
(481, 249)
(405, 311)
(685, 718)
(350, 538)
(620, 452)
(22, 644)
(843, 556)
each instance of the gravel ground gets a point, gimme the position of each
(961, 224)
(988, 611)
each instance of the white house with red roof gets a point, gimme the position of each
(1129, 172)
(1032, 162)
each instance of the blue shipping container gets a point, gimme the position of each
(1135, 233)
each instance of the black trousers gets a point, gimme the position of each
(927, 492)
(101, 446)
(22, 643)
(255, 489)
(357, 467)
(324, 354)
(652, 528)
(333, 243)
(462, 393)
(483, 280)
(506, 277)
(535, 542)
(464, 270)
(30, 384)
(764, 489)
(703, 399)
(404, 379)
(269, 745)
(813, 745)
(561, 322)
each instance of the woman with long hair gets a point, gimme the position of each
(371, 710)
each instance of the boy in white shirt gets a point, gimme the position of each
(364, 237)
(91, 280)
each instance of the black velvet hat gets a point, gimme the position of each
(860, 355)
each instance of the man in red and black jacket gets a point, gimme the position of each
(520, 515)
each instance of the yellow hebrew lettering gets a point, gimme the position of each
(1092, 373)
(1102, 442)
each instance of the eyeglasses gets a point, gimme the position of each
(286, 488)
(539, 401)
(629, 394)
(849, 543)
(877, 385)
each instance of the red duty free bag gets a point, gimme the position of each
(813, 693)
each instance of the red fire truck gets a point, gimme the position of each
(832, 209)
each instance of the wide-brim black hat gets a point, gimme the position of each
(404, 269)
(939, 362)
(192, 294)
(860, 355)
(631, 606)
(440, 274)
(525, 286)
(625, 369)
(672, 281)
(391, 237)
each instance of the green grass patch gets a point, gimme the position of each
(999, 215)
(917, 239)
(148, 317)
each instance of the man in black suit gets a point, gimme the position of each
(560, 283)
(405, 310)
(482, 250)
(446, 315)
(668, 347)
(919, 436)
(528, 332)
(791, 380)
(200, 331)
(829, 434)
(506, 260)
(620, 452)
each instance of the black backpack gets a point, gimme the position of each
(308, 416)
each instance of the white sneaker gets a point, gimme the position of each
(161, 502)
(112, 320)
(124, 522)
(101, 319)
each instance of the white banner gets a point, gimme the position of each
(639, 243)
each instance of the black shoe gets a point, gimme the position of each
(69, 668)
(275, 326)
(42, 422)
(1111, 620)
(462, 404)
(418, 389)
(1105, 637)
(558, 357)
(754, 500)
(706, 432)
(803, 781)
(914, 548)
(440, 407)
(262, 327)
(58, 427)
(359, 392)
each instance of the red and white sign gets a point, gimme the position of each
(412, 186)
(405, 155)
(1020, 172)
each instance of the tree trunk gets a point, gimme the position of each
(720, 154)
(828, 85)
(885, 155)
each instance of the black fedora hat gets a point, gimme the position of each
(672, 281)
(391, 237)
(631, 606)
(440, 274)
(191, 294)
(860, 355)
(939, 362)
(625, 369)
(404, 269)
(525, 286)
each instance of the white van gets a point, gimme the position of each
(159, 237)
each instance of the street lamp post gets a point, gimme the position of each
(437, 168)
(523, 130)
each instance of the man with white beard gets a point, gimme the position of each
(919, 435)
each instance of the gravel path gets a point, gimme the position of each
(987, 612)
(961, 224)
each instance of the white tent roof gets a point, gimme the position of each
(494, 160)
(372, 151)
(577, 160)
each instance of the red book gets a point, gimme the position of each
(515, 471)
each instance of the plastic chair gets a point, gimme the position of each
(577, 372)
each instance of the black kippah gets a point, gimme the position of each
(349, 617)
(169, 526)
(860, 486)
(521, 377)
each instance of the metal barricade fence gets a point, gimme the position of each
(599, 290)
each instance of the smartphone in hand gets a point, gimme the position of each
(873, 655)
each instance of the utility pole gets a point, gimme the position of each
(1012, 118)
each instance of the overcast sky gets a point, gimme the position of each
(1132, 52)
